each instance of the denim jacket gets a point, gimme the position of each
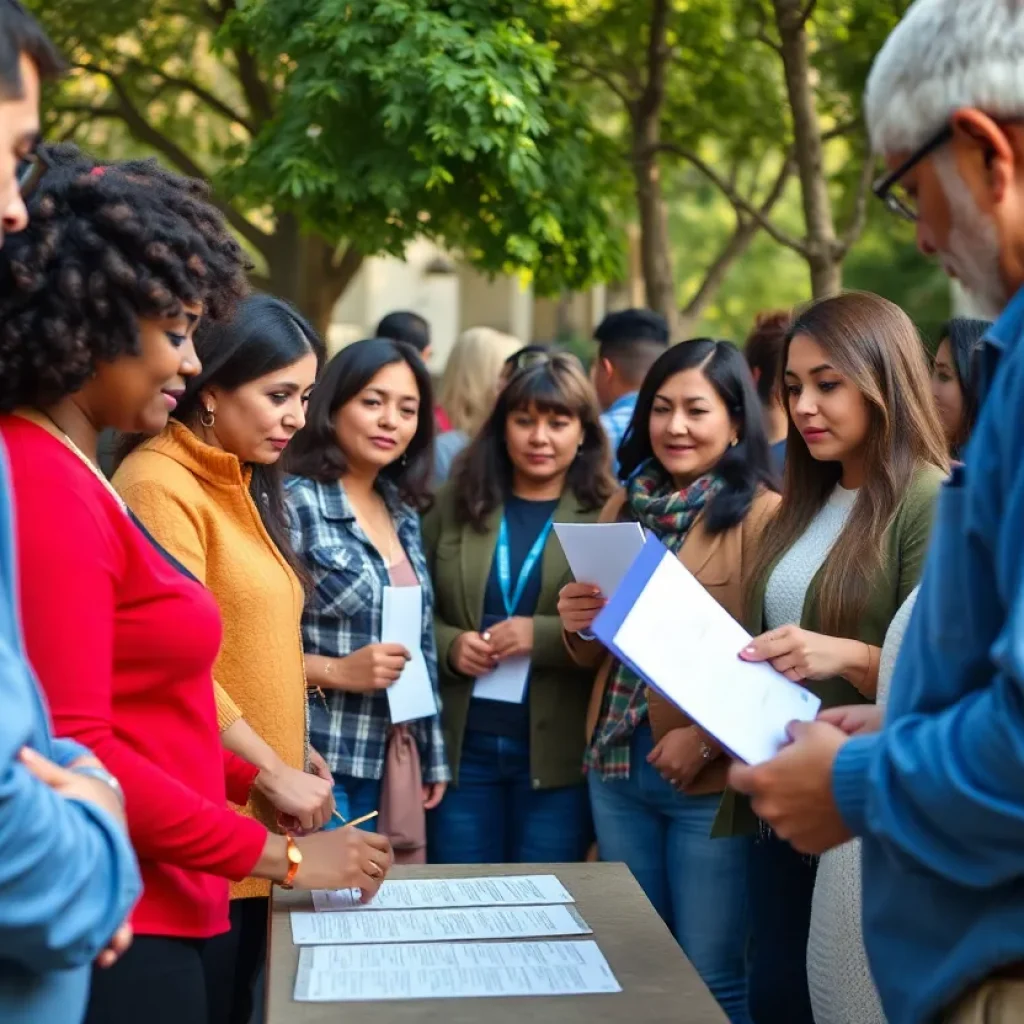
(938, 795)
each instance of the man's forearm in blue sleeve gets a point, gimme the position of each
(68, 875)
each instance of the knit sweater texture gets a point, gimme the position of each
(195, 500)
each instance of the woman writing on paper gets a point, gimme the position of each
(865, 458)
(122, 636)
(362, 468)
(700, 478)
(209, 490)
(516, 738)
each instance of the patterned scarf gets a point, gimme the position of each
(668, 514)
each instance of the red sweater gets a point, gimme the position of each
(124, 644)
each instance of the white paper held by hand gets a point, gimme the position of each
(600, 553)
(411, 696)
(676, 636)
(505, 682)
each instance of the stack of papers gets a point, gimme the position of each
(421, 939)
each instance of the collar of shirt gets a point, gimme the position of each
(1006, 331)
(335, 504)
(626, 401)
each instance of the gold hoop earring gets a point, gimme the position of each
(207, 418)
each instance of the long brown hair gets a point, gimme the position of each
(482, 479)
(875, 345)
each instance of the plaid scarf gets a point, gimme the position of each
(668, 514)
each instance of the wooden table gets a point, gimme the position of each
(659, 984)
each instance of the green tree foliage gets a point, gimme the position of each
(334, 130)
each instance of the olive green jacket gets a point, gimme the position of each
(459, 558)
(905, 544)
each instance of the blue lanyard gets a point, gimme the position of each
(505, 570)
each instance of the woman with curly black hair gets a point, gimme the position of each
(99, 299)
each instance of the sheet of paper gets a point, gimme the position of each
(429, 893)
(600, 553)
(411, 696)
(451, 971)
(506, 682)
(683, 642)
(447, 925)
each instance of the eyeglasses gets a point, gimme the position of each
(901, 202)
(29, 172)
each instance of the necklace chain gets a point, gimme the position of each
(52, 427)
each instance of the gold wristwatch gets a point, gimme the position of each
(294, 855)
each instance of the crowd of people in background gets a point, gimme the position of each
(193, 672)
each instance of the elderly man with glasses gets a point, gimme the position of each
(938, 793)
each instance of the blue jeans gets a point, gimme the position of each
(495, 816)
(697, 884)
(354, 798)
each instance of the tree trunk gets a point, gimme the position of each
(825, 259)
(826, 276)
(304, 270)
(645, 117)
(655, 250)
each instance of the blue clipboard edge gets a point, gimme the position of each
(610, 619)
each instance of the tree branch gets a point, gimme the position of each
(859, 218)
(144, 132)
(740, 203)
(738, 243)
(257, 97)
(605, 78)
(805, 14)
(345, 267)
(200, 92)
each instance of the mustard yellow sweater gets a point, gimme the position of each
(195, 501)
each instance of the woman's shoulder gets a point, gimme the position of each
(921, 494)
(150, 468)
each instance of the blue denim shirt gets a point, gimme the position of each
(68, 876)
(615, 420)
(938, 795)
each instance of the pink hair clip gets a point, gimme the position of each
(98, 172)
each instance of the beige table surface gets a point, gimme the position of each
(658, 982)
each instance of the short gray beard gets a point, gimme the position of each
(973, 246)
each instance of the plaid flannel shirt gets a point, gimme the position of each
(343, 614)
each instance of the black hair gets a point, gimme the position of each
(315, 452)
(406, 327)
(21, 34)
(630, 325)
(763, 350)
(264, 335)
(483, 474)
(744, 467)
(964, 336)
(104, 247)
(632, 340)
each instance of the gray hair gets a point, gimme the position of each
(945, 55)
